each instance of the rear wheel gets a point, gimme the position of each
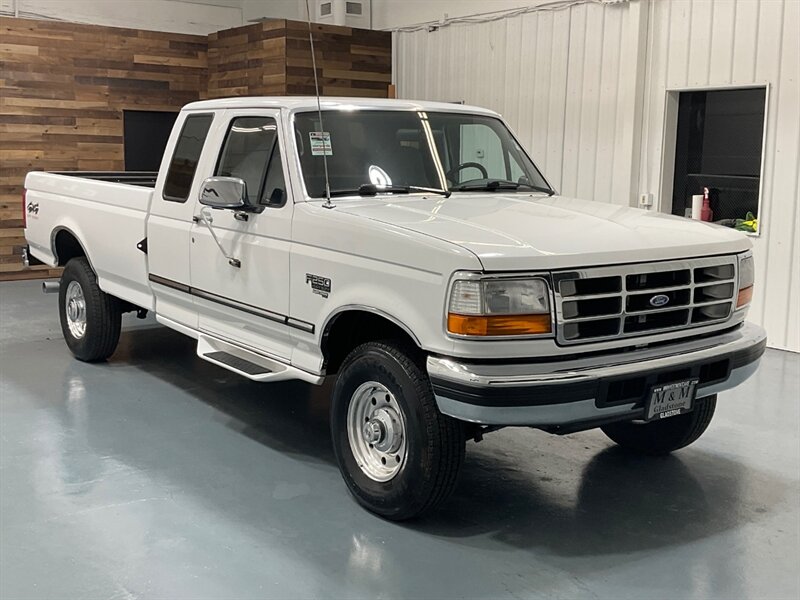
(668, 435)
(399, 456)
(90, 318)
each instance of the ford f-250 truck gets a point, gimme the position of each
(415, 251)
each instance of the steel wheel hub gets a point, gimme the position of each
(75, 309)
(376, 431)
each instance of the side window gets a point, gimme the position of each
(517, 174)
(481, 144)
(274, 193)
(185, 158)
(252, 153)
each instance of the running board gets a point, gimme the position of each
(247, 363)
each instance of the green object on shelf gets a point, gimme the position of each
(749, 223)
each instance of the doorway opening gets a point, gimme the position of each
(146, 133)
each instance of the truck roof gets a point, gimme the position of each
(302, 103)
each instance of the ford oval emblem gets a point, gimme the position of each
(659, 300)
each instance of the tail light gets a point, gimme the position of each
(24, 209)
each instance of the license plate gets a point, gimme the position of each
(670, 399)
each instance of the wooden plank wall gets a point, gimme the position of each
(63, 87)
(248, 61)
(274, 57)
(350, 62)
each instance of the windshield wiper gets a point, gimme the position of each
(416, 188)
(498, 184)
(370, 189)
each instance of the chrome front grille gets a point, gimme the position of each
(602, 303)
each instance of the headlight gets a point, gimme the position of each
(496, 307)
(747, 276)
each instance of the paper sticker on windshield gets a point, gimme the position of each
(320, 143)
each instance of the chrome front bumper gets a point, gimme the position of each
(579, 392)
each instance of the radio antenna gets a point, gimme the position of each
(328, 203)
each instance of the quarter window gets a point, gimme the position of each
(185, 158)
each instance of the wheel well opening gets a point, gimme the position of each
(353, 328)
(66, 247)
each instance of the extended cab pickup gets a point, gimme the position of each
(414, 250)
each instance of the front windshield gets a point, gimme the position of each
(401, 151)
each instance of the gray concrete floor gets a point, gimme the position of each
(157, 475)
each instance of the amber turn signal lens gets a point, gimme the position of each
(498, 324)
(745, 296)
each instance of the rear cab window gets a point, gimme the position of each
(187, 153)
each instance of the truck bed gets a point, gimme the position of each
(107, 212)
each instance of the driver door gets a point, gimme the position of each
(247, 304)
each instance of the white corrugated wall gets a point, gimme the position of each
(556, 77)
(708, 43)
(585, 89)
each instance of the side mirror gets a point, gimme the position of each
(224, 192)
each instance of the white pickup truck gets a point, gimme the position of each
(415, 251)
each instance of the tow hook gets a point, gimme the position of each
(480, 430)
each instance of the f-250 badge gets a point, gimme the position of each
(319, 285)
(33, 209)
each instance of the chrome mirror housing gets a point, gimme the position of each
(224, 192)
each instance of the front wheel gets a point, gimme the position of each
(399, 456)
(90, 318)
(663, 437)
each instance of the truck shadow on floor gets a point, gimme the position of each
(572, 495)
(288, 416)
(615, 504)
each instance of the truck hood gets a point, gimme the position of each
(532, 232)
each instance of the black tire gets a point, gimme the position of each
(662, 437)
(434, 442)
(103, 314)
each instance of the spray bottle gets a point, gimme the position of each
(706, 214)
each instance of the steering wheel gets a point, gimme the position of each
(458, 168)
